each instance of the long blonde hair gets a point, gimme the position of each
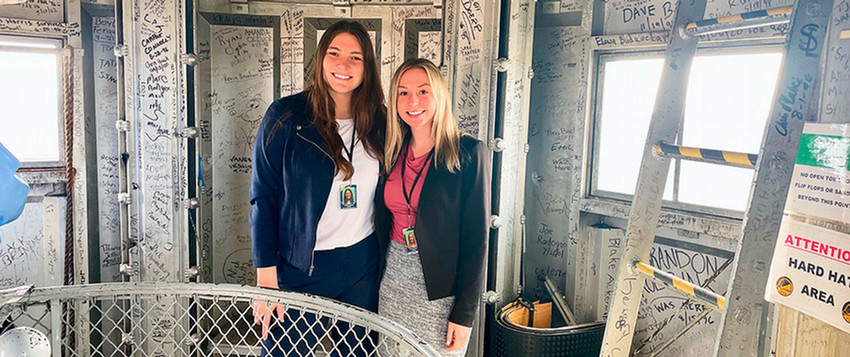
(444, 128)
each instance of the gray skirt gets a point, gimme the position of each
(403, 299)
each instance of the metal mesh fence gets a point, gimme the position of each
(173, 319)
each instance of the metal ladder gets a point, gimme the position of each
(744, 313)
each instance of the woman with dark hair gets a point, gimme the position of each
(438, 187)
(311, 149)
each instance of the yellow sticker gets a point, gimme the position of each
(784, 286)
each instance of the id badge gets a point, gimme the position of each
(348, 197)
(410, 240)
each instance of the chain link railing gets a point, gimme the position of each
(174, 319)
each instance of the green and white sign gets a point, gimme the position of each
(820, 186)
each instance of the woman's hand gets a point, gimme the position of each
(266, 278)
(457, 337)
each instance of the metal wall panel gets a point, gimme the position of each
(634, 16)
(105, 93)
(155, 111)
(243, 68)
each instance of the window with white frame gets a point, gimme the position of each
(727, 106)
(31, 100)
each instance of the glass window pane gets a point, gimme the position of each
(30, 104)
(729, 101)
(714, 185)
(728, 105)
(628, 95)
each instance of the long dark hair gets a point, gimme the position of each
(367, 101)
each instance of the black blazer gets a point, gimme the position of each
(452, 229)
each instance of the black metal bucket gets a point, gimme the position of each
(514, 335)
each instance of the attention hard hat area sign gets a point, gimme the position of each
(810, 271)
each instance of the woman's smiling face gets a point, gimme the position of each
(342, 66)
(415, 102)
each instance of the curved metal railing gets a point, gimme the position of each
(192, 319)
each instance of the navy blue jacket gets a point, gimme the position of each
(292, 178)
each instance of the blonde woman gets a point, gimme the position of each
(438, 186)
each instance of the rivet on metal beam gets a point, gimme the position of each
(191, 203)
(120, 50)
(526, 148)
(124, 198)
(495, 222)
(530, 73)
(490, 297)
(342, 11)
(239, 8)
(522, 219)
(189, 59)
(501, 64)
(498, 145)
(192, 272)
(342, 8)
(122, 125)
(190, 132)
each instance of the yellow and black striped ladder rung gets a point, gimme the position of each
(785, 10)
(704, 296)
(709, 155)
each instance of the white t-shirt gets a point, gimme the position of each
(338, 227)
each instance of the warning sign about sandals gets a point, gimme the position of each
(810, 271)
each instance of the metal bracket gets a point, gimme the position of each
(191, 203)
(495, 222)
(530, 73)
(490, 297)
(13, 295)
(122, 126)
(190, 132)
(128, 270)
(192, 272)
(127, 339)
(501, 64)
(189, 59)
(120, 50)
(498, 145)
(124, 198)
(526, 148)
(522, 219)
(192, 340)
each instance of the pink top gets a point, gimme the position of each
(394, 198)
